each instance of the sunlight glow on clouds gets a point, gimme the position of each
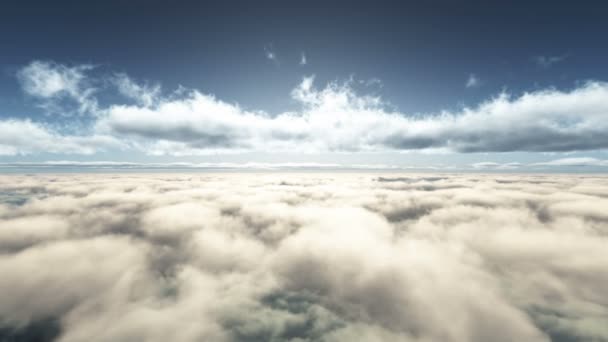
(332, 118)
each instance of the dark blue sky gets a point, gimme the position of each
(424, 53)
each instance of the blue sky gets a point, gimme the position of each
(475, 86)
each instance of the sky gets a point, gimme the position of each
(438, 85)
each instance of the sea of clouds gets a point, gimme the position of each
(303, 257)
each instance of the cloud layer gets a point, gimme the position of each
(330, 118)
(337, 119)
(317, 257)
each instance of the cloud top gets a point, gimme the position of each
(315, 257)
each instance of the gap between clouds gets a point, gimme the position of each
(335, 118)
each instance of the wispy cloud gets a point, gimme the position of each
(144, 94)
(119, 165)
(472, 81)
(271, 54)
(19, 137)
(548, 61)
(303, 60)
(497, 166)
(581, 161)
(51, 83)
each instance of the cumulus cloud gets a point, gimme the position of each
(317, 257)
(270, 54)
(19, 137)
(337, 118)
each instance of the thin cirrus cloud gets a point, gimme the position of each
(329, 119)
(21, 137)
(303, 59)
(548, 61)
(496, 166)
(472, 81)
(51, 83)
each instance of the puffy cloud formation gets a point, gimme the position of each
(331, 118)
(303, 257)
(27, 137)
(337, 119)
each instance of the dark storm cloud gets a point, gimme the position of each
(306, 257)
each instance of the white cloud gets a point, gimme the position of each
(51, 83)
(582, 161)
(145, 95)
(303, 60)
(337, 118)
(316, 257)
(472, 81)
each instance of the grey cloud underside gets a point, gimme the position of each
(198, 139)
(337, 119)
(317, 257)
(530, 139)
